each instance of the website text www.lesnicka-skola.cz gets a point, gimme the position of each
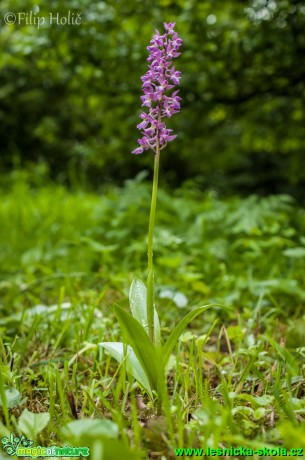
(239, 452)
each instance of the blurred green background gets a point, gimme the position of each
(69, 94)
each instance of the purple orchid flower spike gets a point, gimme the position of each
(159, 80)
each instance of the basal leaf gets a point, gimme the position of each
(118, 351)
(157, 330)
(82, 429)
(101, 438)
(137, 301)
(147, 354)
(138, 306)
(31, 423)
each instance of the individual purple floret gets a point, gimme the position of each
(158, 81)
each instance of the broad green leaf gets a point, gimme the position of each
(147, 354)
(243, 410)
(138, 306)
(259, 413)
(256, 401)
(157, 331)
(100, 436)
(137, 301)
(31, 424)
(12, 396)
(176, 333)
(264, 400)
(133, 366)
(80, 430)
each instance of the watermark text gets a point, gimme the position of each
(36, 19)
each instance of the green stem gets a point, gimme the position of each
(150, 278)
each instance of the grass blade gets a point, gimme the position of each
(176, 333)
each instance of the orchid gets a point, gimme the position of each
(142, 351)
(160, 79)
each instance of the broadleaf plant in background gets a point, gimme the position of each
(143, 353)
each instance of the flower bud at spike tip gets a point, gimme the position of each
(159, 80)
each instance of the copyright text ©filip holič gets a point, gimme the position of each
(32, 18)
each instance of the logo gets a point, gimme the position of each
(10, 445)
(22, 447)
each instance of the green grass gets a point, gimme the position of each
(236, 376)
